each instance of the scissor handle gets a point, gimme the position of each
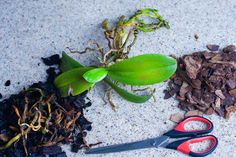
(179, 131)
(184, 145)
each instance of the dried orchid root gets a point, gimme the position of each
(87, 49)
(44, 116)
(109, 96)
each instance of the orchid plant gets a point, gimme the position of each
(116, 67)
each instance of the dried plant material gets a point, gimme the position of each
(233, 93)
(216, 58)
(229, 48)
(231, 83)
(210, 111)
(38, 120)
(196, 36)
(229, 110)
(177, 117)
(196, 84)
(193, 113)
(3, 137)
(210, 78)
(185, 88)
(219, 94)
(217, 102)
(192, 66)
(213, 47)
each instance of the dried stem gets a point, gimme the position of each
(109, 96)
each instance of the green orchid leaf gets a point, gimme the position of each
(68, 63)
(127, 95)
(145, 69)
(72, 82)
(95, 75)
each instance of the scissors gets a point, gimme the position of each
(188, 137)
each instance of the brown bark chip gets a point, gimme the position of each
(206, 81)
(233, 93)
(193, 113)
(177, 117)
(210, 111)
(213, 47)
(185, 88)
(220, 94)
(217, 103)
(192, 66)
(229, 48)
(229, 110)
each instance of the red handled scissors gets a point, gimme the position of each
(182, 145)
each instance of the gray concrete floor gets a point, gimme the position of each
(30, 29)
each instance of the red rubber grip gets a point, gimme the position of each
(180, 126)
(185, 146)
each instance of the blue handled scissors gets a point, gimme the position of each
(182, 145)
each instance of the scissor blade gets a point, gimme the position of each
(154, 142)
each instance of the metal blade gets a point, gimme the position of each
(154, 142)
(161, 141)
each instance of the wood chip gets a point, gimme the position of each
(197, 83)
(184, 89)
(229, 48)
(210, 111)
(192, 66)
(220, 94)
(217, 102)
(177, 117)
(206, 81)
(193, 113)
(213, 47)
(233, 92)
(216, 58)
(229, 110)
(231, 83)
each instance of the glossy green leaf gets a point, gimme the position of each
(72, 81)
(145, 69)
(127, 95)
(95, 75)
(68, 63)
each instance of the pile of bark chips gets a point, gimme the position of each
(205, 81)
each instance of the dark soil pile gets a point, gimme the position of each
(38, 120)
(206, 81)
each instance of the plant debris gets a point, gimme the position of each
(193, 113)
(213, 47)
(206, 81)
(196, 37)
(52, 60)
(7, 83)
(177, 117)
(38, 120)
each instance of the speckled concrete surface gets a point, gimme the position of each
(30, 29)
